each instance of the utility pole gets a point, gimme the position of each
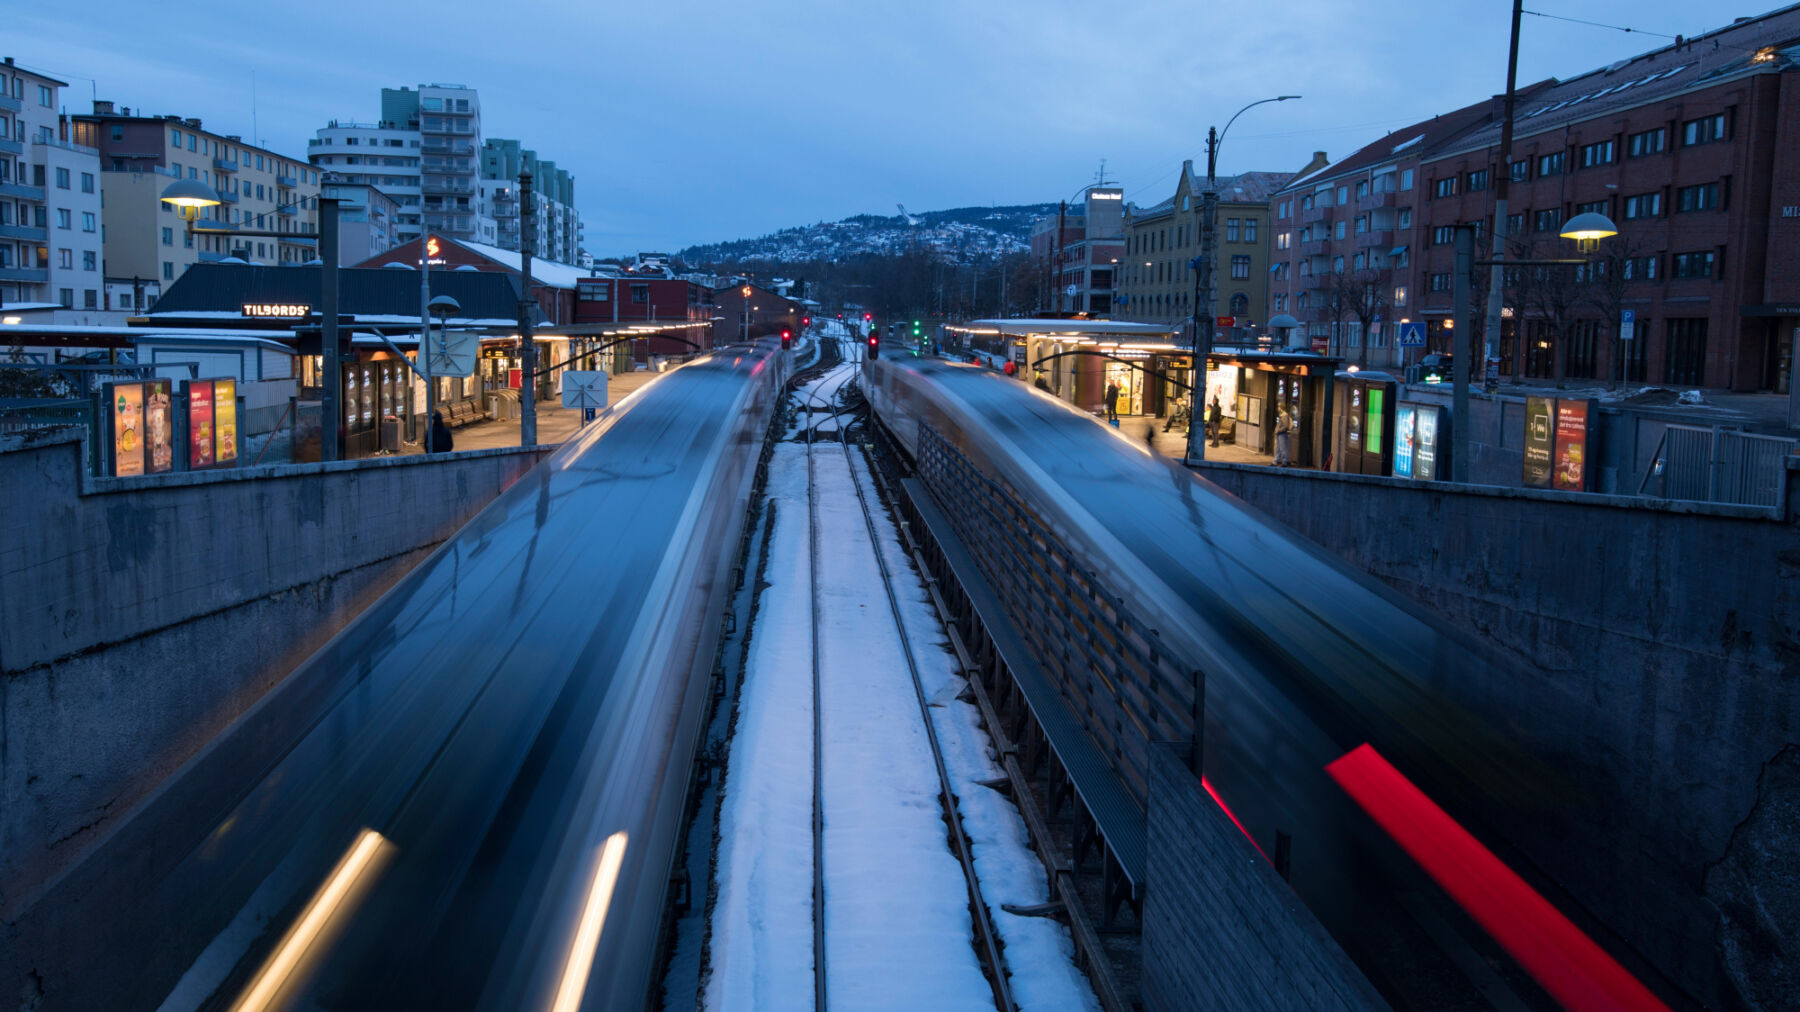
(1459, 361)
(527, 315)
(1203, 297)
(1062, 213)
(332, 407)
(1503, 185)
(425, 331)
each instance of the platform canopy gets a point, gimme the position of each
(1078, 331)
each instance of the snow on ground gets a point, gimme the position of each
(760, 952)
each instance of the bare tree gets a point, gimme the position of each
(1553, 293)
(1604, 284)
(1362, 292)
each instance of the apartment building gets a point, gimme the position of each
(557, 225)
(424, 152)
(146, 240)
(1693, 151)
(368, 220)
(50, 231)
(1077, 253)
(1156, 279)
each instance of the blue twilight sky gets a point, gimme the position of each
(690, 121)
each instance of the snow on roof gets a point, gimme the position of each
(26, 307)
(543, 272)
(1403, 145)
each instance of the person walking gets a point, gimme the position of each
(1112, 402)
(1284, 439)
(1215, 419)
(437, 438)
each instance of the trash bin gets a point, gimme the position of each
(390, 434)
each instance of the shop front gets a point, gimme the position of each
(1254, 388)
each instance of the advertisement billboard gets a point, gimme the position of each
(1540, 441)
(1404, 424)
(200, 424)
(225, 422)
(1426, 443)
(1573, 420)
(1372, 436)
(159, 427)
(127, 400)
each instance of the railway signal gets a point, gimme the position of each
(787, 339)
(874, 342)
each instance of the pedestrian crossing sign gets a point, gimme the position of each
(1412, 335)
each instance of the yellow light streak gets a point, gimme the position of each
(335, 897)
(587, 931)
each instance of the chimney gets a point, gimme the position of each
(192, 123)
(102, 107)
(125, 110)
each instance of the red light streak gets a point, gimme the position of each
(1575, 970)
(1223, 807)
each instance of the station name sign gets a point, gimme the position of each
(277, 310)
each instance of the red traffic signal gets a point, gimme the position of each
(806, 321)
(868, 316)
(875, 342)
(787, 338)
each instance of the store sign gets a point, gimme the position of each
(1573, 417)
(277, 310)
(1405, 422)
(127, 400)
(1540, 441)
(200, 424)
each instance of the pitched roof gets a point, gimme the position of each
(549, 273)
(221, 290)
(1415, 139)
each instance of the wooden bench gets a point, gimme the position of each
(460, 413)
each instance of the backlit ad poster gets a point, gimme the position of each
(128, 429)
(1403, 440)
(1540, 440)
(159, 426)
(200, 424)
(1572, 418)
(1425, 448)
(225, 445)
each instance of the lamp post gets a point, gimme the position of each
(1585, 229)
(745, 292)
(1502, 186)
(1203, 276)
(528, 308)
(443, 307)
(190, 195)
(425, 324)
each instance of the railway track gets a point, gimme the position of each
(826, 397)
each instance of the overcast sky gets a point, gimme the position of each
(689, 121)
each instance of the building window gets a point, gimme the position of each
(46, 98)
(1704, 197)
(168, 271)
(62, 179)
(640, 294)
(1650, 142)
(1231, 230)
(1281, 302)
(1249, 229)
(1340, 229)
(88, 223)
(1283, 239)
(1591, 207)
(1477, 181)
(1685, 364)
(1240, 266)
(1640, 269)
(1597, 154)
(1445, 187)
(1438, 282)
(1402, 256)
(1443, 235)
(65, 218)
(66, 296)
(595, 293)
(1400, 297)
(1406, 179)
(1694, 265)
(90, 298)
(1404, 218)
(87, 182)
(1644, 205)
(1337, 264)
(1520, 170)
(1550, 165)
(1362, 224)
(1547, 221)
(90, 260)
(1704, 130)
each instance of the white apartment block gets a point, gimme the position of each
(50, 230)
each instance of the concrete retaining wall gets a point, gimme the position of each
(139, 616)
(1661, 648)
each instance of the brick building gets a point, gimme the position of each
(646, 296)
(1693, 150)
(1077, 253)
(1155, 283)
(761, 313)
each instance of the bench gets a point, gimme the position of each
(459, 413)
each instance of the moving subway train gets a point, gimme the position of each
(1366, 745)
(471, 796)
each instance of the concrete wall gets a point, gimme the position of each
(1221, 929)
(139, 616)
(1658, 645)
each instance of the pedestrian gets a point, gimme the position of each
(437, 438)
(1010, 368)
(1112, 401)
(1215, 419)
(1040, 382)
(1284, 439)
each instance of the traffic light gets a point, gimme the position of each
(868, 316)
(874, 342)
(806, 321)
(787, 339)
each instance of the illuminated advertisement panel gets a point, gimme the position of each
(1403, 440)
(128, 429)
(225, 446)
(159, 427)
(1540, 440)
(1572, 423)
(200, 423)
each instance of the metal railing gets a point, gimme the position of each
(36, 414)
(1719, 465)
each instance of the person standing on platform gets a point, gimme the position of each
(1215, 419)
(1284, 439)
(437, 438)
(1112, 401)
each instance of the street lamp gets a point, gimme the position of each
(190, 195)
(442, 307)
(1203, 273)
(1587, 230)
(745, 291)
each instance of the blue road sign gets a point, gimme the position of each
(1412, 335)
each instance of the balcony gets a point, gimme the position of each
(224, 164)
(452, 131)
(24, 232)
(1314, 247)
(287, 210)
(11, 146)
(1376, 237)
(441, 147)
(288, 182)
(450, 189)
(228, 197)
(11, 104)
(1314, 215)
(27, 275)
(1375, 201)
(22, 191)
